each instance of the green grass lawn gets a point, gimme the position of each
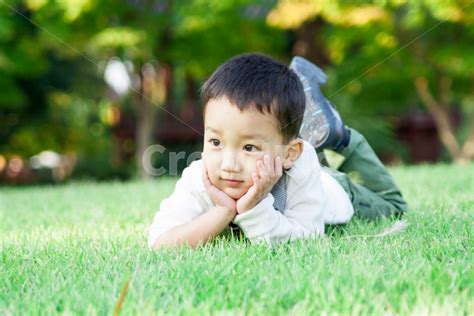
(71, 248)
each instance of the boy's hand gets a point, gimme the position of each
(267, 175)
(219, 197)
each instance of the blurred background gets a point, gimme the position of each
(87, 85)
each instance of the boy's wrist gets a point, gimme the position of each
(260, 203)
(228, 213)
(257, 220)
(246, 209)
(251, 206)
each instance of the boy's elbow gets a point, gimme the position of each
(153, 237)
(158, 245)
(164, 241)
(159, 238)
(157, 241)
(155, 245)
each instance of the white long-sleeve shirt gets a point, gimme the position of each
(314, 198)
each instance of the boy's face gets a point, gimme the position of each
(233, 143)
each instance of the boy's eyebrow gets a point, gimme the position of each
(262, 137)
(245, 135)
(212, 130)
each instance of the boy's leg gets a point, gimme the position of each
(375, 194)
(371, 188)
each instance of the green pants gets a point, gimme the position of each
(370, 187)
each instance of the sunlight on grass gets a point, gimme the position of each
(70, 249)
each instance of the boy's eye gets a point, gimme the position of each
(214, 142)
(250, 148)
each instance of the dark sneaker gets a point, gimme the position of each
(322, 125)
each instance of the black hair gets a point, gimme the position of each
(255, 80)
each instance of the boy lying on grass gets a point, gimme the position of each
(264, 123)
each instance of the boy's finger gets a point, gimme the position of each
(271, 169)
(255, 179)
(262, 168)
(267, 177)
(268, 165)
(257, 169)
(278, 166)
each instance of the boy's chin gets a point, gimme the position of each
(235, 193)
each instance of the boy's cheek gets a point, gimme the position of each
(210, 162)
(211, 165)
(213, 176)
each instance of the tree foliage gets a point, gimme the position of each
(190, 39)
(383, 58)
(380, 49)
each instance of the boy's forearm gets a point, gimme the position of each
(200, 230)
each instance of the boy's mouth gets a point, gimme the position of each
(232, 182)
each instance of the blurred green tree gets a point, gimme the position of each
(36, 90)
(385, 56)
(157, 39)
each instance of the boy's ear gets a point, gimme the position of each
(293, 151)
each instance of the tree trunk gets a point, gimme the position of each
(188, 111)
(144, 134)
(467, 152)
(309, 44)
(153, 94)
(438, 110)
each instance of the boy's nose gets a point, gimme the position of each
(230, 162)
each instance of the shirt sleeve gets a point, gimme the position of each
(303, 219)
(181, 207)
